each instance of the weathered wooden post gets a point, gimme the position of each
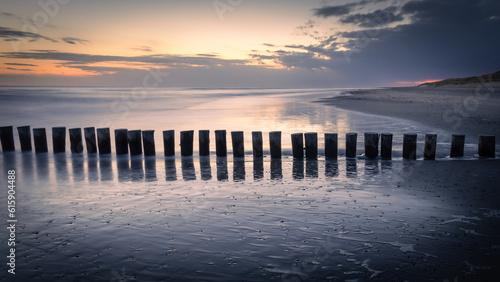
(371, 145)
(298, 145)
(40, 139)
(90, 140)
(220, 143)
(275, 144)
(134, 142)
(148, 141)
(121, 142)
(59, 139)
(386, 146)
(410, 146)
(351, 140)
(7, 138)
(486, 146)
(311, 139)
(25, 138)
(258, 151)
(430, 146)
(238, 145)
(169, 143)
(75, 140)
(457, 146)
(187, 143)
(204, 142)
(331, 146)
(103, 141)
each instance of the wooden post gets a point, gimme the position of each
(298, 145)
(220, 143)
(90, 140)
(59, 139)
(410, 146)
(204, 142)
(134, 142)
(169, 143)
(486, 146)
(187, 143)
(7, 138)
(275, 144)
(331, 146)
(103, 141)
(40, 139)
(457, 146)
(25, 137)
(75, 140)
(148, 141)
(311, 139)
(238, 144)
(371, 145)
(430, 146)
(121, 142)
(351, 140)
(258, 151)
(386, 146)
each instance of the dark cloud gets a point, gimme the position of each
(329, 11)
(14, 35)
(74, 40)
(19, 69)
(376, 18)
(268, 45)
(18, 64)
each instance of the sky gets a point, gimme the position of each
(244, 43)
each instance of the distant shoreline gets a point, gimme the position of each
(470, 109)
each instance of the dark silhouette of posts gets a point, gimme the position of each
(486, 146)
(25, 138)
(331, 146)
(457, 146)
(90, 140)
(351, 140)
(40, 139)
(410, 146)
(311, 140)
(204, 142)
(75, 140)
(220, 143)
(430, 146)
(148, 141)
(275, 144)
(121, 142)
(371, 145)
(59, 139)
(386, 146)
(187, 143)
(103, 141)
(169, 143)
(238, 144)
(298, 145)
(7, 138)
(134, 142)
(257, 147)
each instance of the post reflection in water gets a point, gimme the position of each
(188, 171)
(150, 164)
(312, 168)
(93, 174)
(238, 169)
(136, 168)
(351, 168)
(61, 165)
(122, 164)
(298, 169)
(27, 160)
(371, 167)
(331, 168)
(170, 170)
(258, 168)
(276, 169)
(42, 166)
(205, 168)
(222, 173)
(386, 165)
(105, 168)
(77, 167)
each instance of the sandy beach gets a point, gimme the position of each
(468, 109)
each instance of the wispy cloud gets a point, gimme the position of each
(14, 35)
(18, 64)
(74, 40)
(142, 49)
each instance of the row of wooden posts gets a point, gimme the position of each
(130, 140)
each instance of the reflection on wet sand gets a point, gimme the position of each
(61, 165)
(298, 169)
(122, 165)
(136, 168)
(93, 174)
(371, 167)
(239, 169)
(258, 168)
(42, 166)
(331, 168)
(106, 171)
(77, 167)
(276, 169)
(351, 168)
(205, 168)
(150, 164)
(222, 173)
(188, 171)
(312, 168)
(170, 170)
